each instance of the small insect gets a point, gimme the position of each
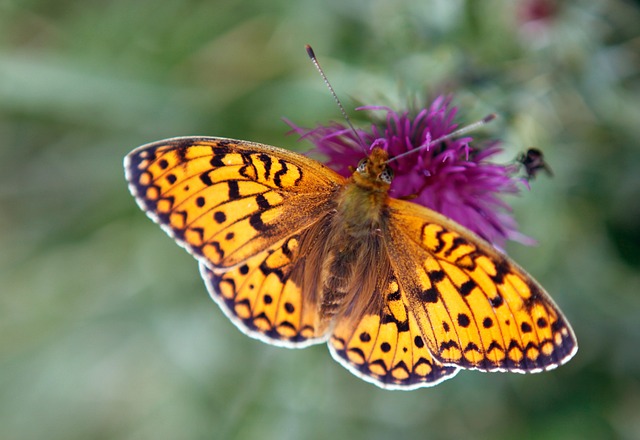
(533, 162)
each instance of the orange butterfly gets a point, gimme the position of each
(296, 255)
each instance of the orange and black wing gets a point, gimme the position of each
(240, 209)
(386, 347)
(475, 308)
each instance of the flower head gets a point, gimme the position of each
(450, 177)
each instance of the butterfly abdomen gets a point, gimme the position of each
(354, 244)
(348, 286)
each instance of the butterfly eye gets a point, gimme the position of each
(362, 166)
(387, 175)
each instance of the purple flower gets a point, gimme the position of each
(450, 177)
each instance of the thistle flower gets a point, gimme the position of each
(450, 177)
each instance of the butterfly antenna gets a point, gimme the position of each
(315, 62)
(456, 133)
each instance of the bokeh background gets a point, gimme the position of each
(106, 330)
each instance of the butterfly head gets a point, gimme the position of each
(374, 172)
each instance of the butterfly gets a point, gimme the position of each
(296, 254)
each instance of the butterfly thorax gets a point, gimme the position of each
(364, 198)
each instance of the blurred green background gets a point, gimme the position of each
(106, 330)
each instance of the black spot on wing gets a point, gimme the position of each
(394, 296)
(502, 269)
(266, 270)
(436, 276)
(262, 202)
(234, 190)
(496, 301)
(445, 345)
(220, 217)
(403, 326)
(181, 152)
(218, 156)
(471, 346)
(204, 177)
(463, 320)
(467, 287)
(256, 222)
(429, 295)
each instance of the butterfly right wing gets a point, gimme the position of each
(386, 346)
(226, 200)
(265, 298)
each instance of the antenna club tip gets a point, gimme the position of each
(489, 118)
(310, 52)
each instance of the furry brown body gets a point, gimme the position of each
(354, 245)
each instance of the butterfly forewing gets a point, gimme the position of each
(476, 308)
(227, 200)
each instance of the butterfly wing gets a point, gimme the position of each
(387, 348)
(239, 208)
(474, 307)
(262, 299)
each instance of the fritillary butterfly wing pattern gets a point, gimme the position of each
(262, 223)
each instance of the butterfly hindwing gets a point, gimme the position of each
(262, 298)
(476, 308)
(387, 347)
(227, 200)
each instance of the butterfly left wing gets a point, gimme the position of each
(475, 307)
(386, 347)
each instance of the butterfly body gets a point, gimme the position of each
(296, 254)
(351, 246)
